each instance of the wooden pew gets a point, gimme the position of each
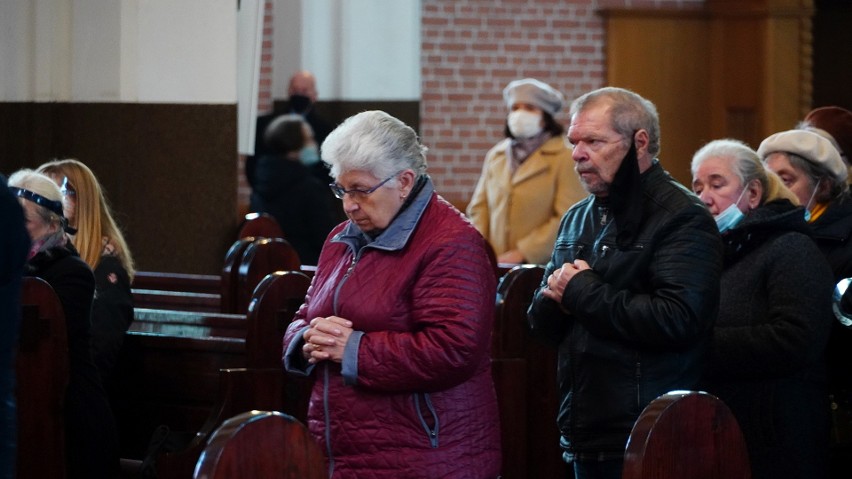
(42, 376)
(192, 292)
(262, 257)
(261, 444)
(239, 390)
(524, 371)
(686, 434)
(260, 225)
(247, 262)
(169, 369)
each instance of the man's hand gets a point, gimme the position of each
(558, 280)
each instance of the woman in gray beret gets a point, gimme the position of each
(527, 180)
(813, 168)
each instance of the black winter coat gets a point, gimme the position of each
(766, 358)
(635, 326)
(14, 245)
(832, 232)
(112, 313)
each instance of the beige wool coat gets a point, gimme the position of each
(522, 211)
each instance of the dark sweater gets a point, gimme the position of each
(766, 357)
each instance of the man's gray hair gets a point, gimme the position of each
(629, 112)
(376, 142)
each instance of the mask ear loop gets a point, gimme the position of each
(745, 188)
(808, 206)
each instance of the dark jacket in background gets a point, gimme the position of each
(14, 245)
(766, 357)
(298, 201)
(112, 313)
(637, 324)
(832, 232)
(91, 436)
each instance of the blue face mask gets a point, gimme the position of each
(309, 155)
(731, 216)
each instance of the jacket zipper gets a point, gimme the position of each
(325, 406)
(431, 432)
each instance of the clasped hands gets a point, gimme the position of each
(558, 280)
(326, 339)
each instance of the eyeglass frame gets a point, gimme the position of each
(340, 193)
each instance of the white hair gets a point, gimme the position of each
(375, 142)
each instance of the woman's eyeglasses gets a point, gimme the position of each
(356, 193)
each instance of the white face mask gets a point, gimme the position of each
(731, 216)
(524, 124)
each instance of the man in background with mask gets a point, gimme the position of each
(632, 289)
(302, 92)
(526, 183)
(303, 96)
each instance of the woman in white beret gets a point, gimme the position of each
(527, 180)
(813, 168)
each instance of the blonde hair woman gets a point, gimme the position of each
(102, 246)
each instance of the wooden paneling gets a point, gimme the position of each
(169, 171)
(739, 69)
(661, 57)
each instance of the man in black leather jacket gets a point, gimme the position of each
(632, 288)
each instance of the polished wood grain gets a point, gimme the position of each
(261, 444)
(42, 376)
(686, 434)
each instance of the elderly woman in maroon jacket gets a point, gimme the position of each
(396, 326)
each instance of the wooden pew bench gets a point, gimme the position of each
(240, 448)
(41, 368)
(686, 434)
(169, 371)
(246, 263)
(524, 371)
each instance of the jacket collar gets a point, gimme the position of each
(836, 222)
(396, 235)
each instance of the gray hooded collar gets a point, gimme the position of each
(396, 235)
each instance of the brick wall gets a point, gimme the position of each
(472, 48)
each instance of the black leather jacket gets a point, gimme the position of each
(636, 325)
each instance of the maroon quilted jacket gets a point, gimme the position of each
(413, 397)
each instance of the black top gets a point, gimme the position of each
(14, 244)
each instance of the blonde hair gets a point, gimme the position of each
(777, 190)
(93, 215)
(41, 185)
